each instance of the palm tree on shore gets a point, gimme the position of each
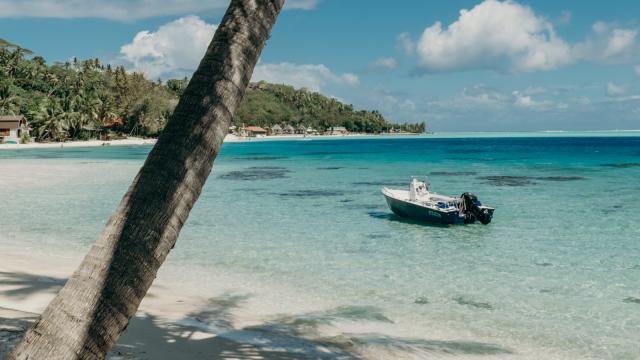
(94, 307)
(8, 101)
(53, 122)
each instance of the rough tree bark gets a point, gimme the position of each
(92, 310)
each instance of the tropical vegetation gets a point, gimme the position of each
(73, 100)
(78, 99)
(269, 104)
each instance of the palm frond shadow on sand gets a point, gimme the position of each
(283, 338)
(23, 285)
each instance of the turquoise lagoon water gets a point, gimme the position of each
(555, 275)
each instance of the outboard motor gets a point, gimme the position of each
(472, 211)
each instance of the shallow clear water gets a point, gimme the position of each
(557, 272)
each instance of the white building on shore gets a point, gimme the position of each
(12, 128)
(276, 130)
(337, 130)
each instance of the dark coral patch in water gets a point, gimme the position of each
(622, 165)
(507, 180)
(422, 300)
(330, 168)
(315, 153)
(363, 206)
(311, 193)
(380, 215)
(476, 159)
(611, 209)
(466, 151)
(378, 236)
(544, 264)
(257, 173)
(632, 300)
(467, 302)
(559, 178)
(453, 173)
(261, 157)
(381, 183)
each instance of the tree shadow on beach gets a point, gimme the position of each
(210, 333)
(148, 337)
(24, 285)
(285, 337)
(13, 325)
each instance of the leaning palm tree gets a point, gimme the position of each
(94, 307)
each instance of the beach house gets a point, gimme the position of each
(276, 130)
(13, 128)
(255, 131)
(337, 130)
(289, 130)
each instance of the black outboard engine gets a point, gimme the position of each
(472, 211)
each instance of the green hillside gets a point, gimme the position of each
(74, 99)
(268, 104)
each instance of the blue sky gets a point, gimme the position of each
(458, 65)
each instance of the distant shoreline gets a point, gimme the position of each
(233, 138)
(140, 141)
(75, 144)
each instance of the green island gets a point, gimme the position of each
(86, 99)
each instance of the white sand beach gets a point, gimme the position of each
(73, 144)
(183, 318)
(173, 322)
(140, 141)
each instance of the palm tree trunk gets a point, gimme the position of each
(94, 307)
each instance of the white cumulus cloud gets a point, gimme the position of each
(614, 90)
(383, 64)
(311, 76)
(609, 44)
(522, 100)
(120, 9)
(493, 35)
(175, 49)
(508, 36)
(405, 44)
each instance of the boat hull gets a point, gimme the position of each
(421, 213)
